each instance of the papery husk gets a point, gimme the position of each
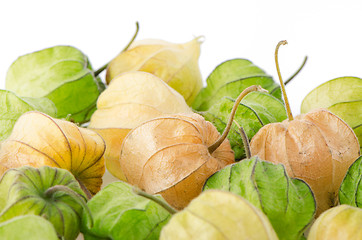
(343, 97)
(114, 139)
(317, 147)
(219, 215)
(169, 156)
(40, 140)
(131, 99)
(176, 64)
(340, 223)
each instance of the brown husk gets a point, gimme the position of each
(317, 147)
(169, 155)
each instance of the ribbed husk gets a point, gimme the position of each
(39, 140)
(176, 64)
(169, 155)
(317, 147)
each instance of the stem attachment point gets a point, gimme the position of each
(246, 91)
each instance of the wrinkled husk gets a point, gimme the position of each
(176, 64)
(340, 223)
(317, 147)
(343, 97)
(39, 140)
(169, 155)
(131, 98)
(288, 202)
(219, 215)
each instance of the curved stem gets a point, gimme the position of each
(245, 139)
(293, 76)
(74, 195)
(101, 69)
(246, 91)
(287, 106)
(159, 201)
(297, 72)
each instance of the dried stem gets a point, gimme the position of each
(159, 201)
(101, 69)
(245, 139)
(246, 91)
(287, 106)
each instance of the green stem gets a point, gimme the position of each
(245, 139)
(297, 72)
(159, 201)
(74, 195)
(293, 76)
(287, 106)
(246, 91)
(101, 69)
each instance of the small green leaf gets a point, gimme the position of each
(61, 74)
(229, 79)
(255, 110)
(288, 203)
(30, 227)
(12, 107)
(343, 97)
(28, 190)
(119, 213)
(350, 191)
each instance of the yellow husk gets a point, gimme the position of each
(176, 64)
(339, 223)
(218, 215)
(131, 99)
(39, 140)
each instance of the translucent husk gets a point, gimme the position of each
(317, 147)
(176, 64)
(131, 99)
(175, 154)
(39, 140)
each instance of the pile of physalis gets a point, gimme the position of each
(224, 161)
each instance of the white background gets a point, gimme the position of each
(328, 32)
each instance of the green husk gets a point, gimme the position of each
(350, 192)
(343, 97)
(52, 193)
(229, 79)
(255, 110)
(119, 213)
(29, 227)
(62, 74)
(288, 203)
(12, 107)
